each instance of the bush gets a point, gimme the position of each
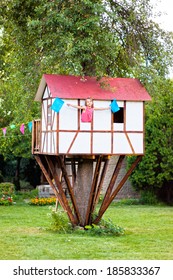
(6, 200)
(104, 228)
(59, 222)
(6, 192)
(29, 194)
(148, 197)
(6, 188)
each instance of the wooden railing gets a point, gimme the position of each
(36, 137)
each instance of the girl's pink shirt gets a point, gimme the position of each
(87, 115)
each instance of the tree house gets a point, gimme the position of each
(66, 148)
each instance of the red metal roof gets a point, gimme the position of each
(76, 87)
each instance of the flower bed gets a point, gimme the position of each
(43, 201)
(6, 192)
(6, 200)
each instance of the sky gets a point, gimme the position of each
(166, 19)
(166, 8)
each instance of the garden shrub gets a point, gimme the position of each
(104, 228)
(59, 222)
(6, 188)
(148, 197)
(6, 192)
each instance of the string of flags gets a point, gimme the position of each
(58, 103)
(21, 128)
(56, 106)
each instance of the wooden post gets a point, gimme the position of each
(113, 194)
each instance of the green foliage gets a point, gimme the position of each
(6, 193)
(59, 222)
(104, 228)
(156, 168)
(6, 200)
(22, 195)
(6, 188)
(148, 197)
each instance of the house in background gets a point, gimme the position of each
(61, 140)
(109, 133)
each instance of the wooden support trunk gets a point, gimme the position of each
(84, 186)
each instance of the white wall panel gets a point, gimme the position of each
(43, 142)
(44, 115)
(118, 126)
(65, 140)
(137, 142)
(49, 142)
(46, 93)
(102, 119)
(82, 144)
(121, 144)
(134, 116)
(54, 120)
(120, 103)
(54, 142)
(68, 116)
(102, 143)
(85, 126)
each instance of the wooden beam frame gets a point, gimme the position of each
(48, 165)
(57, 187)
(110, 195)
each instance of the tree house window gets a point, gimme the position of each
(118, 117)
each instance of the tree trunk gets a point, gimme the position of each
(82, 187)
(17, 174)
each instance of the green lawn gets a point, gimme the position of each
(148, 235)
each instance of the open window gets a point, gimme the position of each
(118, 117)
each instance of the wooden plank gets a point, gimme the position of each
(120, 185)
(57, 194)
(102, 177)
(69, 187)
(111, 184)
(93, 191)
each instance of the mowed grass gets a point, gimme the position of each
(148, 235)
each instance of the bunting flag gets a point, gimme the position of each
(57, 105)
(114, 106)
(30, 126)
(4, 130)
(13, 126)
(22, 128)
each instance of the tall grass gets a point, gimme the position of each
(148, 235)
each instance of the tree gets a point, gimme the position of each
(116, 38)
(155, 172)
(79, 37)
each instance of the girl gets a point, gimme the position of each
(87, 110)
